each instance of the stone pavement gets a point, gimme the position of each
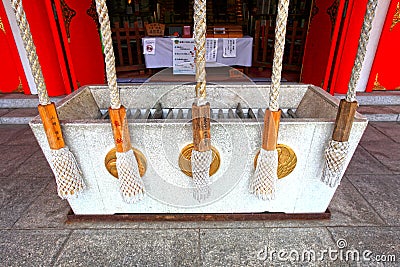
(365, 220)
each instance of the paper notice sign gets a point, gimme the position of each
(211, 49)
(149, 46)
(183, 54)
(229, 47)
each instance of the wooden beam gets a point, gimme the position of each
(51, 125)
(201, 127)
(271, 127)
(120, 129)
(344, 120)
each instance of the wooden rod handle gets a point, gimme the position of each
(119, 124)
(51, 124)
(344, 120)
(270, 131)
(201, 127)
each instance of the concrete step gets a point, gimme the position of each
(17, 115)
(19, 108)
(380, 113)
(21, 101)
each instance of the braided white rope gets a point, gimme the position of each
(105, 29)
(336, 152)
(131, 184)
(200, 160)
(31, 51)
(362, 49)
(279, 49)
(200, 28)
(68, 176)
(200, 171)
(266, 175)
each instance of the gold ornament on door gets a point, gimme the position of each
(396, 17)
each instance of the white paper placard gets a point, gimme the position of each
(149, 46)
(211, 49)
(229, 47)
(183, 54)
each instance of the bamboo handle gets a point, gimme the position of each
(344, 120)
(271, 127)
(120, 129)
(51, 125)
(201, 127)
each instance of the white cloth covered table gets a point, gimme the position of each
(162, 57)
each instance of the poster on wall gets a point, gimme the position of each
(211, 49)
(229, 47)
(183, 54)
(149, 46)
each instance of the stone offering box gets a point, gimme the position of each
(306, 127)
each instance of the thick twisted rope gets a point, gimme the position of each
(279, 49)
(131, 184)
(200, 44)
(200, 160)
(336, 152)
(31, 51)
(68, 176)
(105, 29)
(362, 49)
(263, 184)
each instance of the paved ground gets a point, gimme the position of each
(365, 220)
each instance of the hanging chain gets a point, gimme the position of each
(362, 49)
(279, 48)
(200, 45)
(31, 52)
(105, 29)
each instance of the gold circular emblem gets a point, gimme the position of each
(111, 162)
(186, 165)
(287, 160)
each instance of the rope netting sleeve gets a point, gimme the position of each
(67, 173)
(30, 48)
(131, 184)
(201, 161)
(200, 45)
(362, 49)
(279, 48)
(265, 177)
(105, 29)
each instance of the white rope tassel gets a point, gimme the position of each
(266, 175)
(201, 162)
(131, 184)
(335, 156)
(68, 175)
